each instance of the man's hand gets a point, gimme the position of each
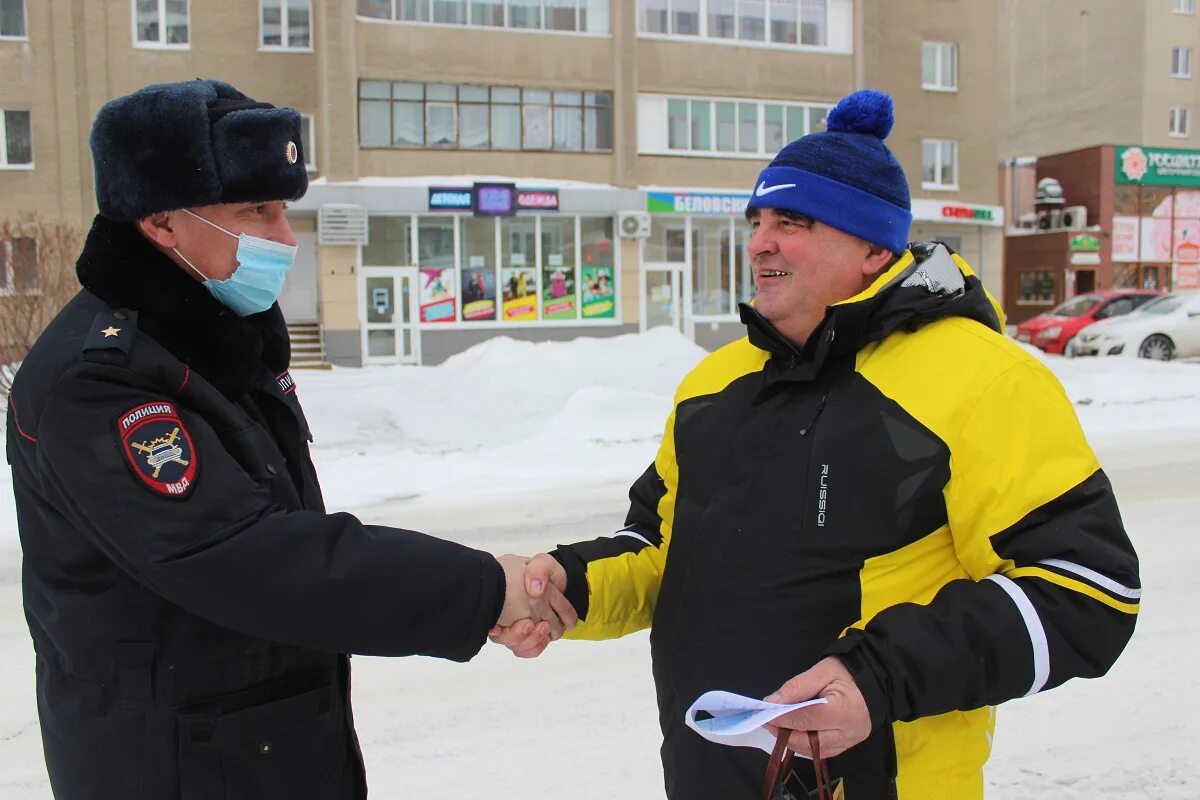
(527, 638)
(842, 722)
(534, 600)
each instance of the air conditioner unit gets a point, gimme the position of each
(341, 224)
(1049, 219)
(634, 224)
(1028, 221)
(1074, 217)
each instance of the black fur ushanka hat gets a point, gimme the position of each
(193, 143)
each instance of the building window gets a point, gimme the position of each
(572, 16)
(18, 266)
(696, 126)
(1184, 6)
(777, 22)
(940, 164)
(160, 23)
(939, 66)
(1179, 122)
(308, 142)
(1035, 287)
(420, 115)
(1181, 62)
(286, 24)
(16, 139)
(12, 19)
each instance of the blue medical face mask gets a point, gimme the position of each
(262, 268)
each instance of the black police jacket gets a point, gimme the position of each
(187, 594)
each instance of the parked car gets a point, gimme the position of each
(1056, 331)
(1165, 328)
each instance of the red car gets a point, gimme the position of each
(1055, 331)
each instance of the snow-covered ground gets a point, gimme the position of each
(514, 447)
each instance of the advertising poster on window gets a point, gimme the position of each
(599, 296)
(520, 294)
(479, 294)
(558, 290)
(437, 294)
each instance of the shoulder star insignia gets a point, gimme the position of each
(110, 331)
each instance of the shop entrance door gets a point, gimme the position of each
(389, 314)
(666, 297)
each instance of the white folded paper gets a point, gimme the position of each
(737, 720)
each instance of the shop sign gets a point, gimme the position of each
(962, 213)
(495, 199)
(1187, 251)
(713, 205)
(537, 200)
(450, 198)
(1085, 243)
(967, 212)
(1157, 166)
(1088, 259)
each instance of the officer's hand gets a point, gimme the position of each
(842, 722)
(534, 597)
(527, 638)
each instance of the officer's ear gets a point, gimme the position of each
(159, 229)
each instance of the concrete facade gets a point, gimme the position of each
(77, 55)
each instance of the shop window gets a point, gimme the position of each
(667, 240)
(477, 269)
(743, 276)
(1124, 276)
(597, 268)
(560, 285)
(390, 242)
(1035, 287)
(436, 284)
(518, 269)
(160, 23)
(711, 245)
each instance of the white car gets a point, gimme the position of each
(1165, 328)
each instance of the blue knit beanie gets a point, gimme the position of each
(193, 143)
(844, 176)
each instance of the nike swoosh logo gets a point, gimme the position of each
(763, 190)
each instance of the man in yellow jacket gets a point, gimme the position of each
(874, 497)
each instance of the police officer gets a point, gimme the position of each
(188, 596)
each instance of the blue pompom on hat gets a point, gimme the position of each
(193, 143)
(844, 176)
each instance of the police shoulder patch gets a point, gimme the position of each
(158, 448)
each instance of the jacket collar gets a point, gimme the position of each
(123, 269)
(926, 283)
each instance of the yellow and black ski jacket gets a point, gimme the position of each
(911, 492)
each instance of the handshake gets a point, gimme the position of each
(536, 612)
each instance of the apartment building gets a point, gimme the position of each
(1099, 98)
(541, 169)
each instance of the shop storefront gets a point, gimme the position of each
(694, 269)
(1156, 218)
(446, 265)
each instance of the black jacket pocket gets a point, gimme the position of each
(285, 740)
